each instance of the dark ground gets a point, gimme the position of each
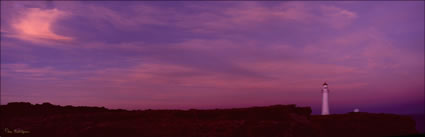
(47, 120)
(420, 121)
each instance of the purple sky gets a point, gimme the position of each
(160, 55)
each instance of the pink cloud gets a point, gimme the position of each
(35, 25)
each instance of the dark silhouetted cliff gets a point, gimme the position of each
(49, 120)
(357, 124)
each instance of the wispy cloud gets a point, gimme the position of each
(37, 25)
(253, 15)
(133, 19)
(336, 17)
(3, 31)
(27, 72)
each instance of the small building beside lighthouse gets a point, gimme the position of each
(325, 99)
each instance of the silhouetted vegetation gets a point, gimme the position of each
(49, 120)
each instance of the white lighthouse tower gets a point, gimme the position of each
(325, 104)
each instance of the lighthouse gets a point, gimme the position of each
(325, 104)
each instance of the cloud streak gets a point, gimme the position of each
(36, 25)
